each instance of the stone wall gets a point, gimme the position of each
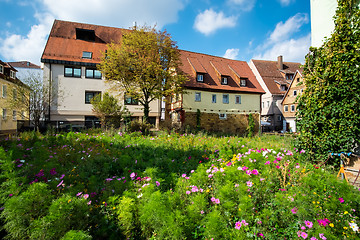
(234, 123)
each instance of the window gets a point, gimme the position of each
(263, 104)
(4, 114)
(224, 80)
(295, 92)
(268, 103)
(128, 100)
(12, 74)
(72, 72)
(14, 94)
(279, 118)
(289, 76)
(242, 82)
(92, 73)
(301, 91)
(89, 95)
(14, 114)
(286, 108)
(293, 108)
(4, 91)
(85, 34)
(283, 87)
(87, 55)
(213, 100)
(197, 97)
(226, 98)
(237, 99)
(199, 77)
(1, 69)
(222, 116)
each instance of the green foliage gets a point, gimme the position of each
(76, 235)
(108, 110)
(137, 125)
(198, 119)
(20, 211)
(251, 126)
(328, 111)
(145, 65)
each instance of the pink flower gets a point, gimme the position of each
(157, 183)
(313, 238)
(277, 166)
(321, 235)
(260, 235)
(262, 179)
(217, 201)
(238, 225)
(308, 224)
(228, 164)
(267, 162)
(255, 172)
(341, 200)
(60, 183)
(323, 222)
(249, 183)
(202, 212)
(184, 175)
(78, 194)
(212, 199)
(302, 151)
(245, 168)
(187, 192)
(304, 235)
(210, 175)
(294, 210)
(303, 228)
(132, 175)
(89, 203)
(243, 222)
(86, 196)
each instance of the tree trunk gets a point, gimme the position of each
(146, 112)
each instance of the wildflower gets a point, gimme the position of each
(323, 222)
(243, 222)
(202, 212)
(321, 235)
(313, 238)
(60, 183)
(157, 183)
(132, 175)
(260, 235)
(255, 172)
(262, 179)
(354, 227)
(139, 196)
(304, 235)
(331, 225)
(212, 199)
(308, 224)
(187, 192)
(249, 183)
(238, 225)
(217, 201)
(303, 228)
(184, 175)
(267, 162)
(89, 203)
(341, 200)
(10, 195)
(78, 194)
(62, 176)
(346, 212)
(86, 196)
(294, 210)
(210, 175)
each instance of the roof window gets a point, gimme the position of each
(87, 55)
(85, 34)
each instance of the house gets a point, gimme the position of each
(70, 60)
(289, 102)
(10, 87)
(219, 95)
(26, 69)
(275, 78)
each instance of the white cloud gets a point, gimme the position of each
(282, 42)
(285, 2)
(27, 48)
(210, 21)
(231, 53)
(292, 25)
(293, 50)
(246, 5)
(117, 13)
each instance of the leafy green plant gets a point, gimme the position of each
(76, 235)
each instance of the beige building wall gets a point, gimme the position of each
(70, 104)
(249, 102)
(9, 115)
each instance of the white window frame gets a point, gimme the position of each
(224, 80)
(268, 104)
(286, 108)
(237, 99)
(213, 98)
(199, 77)
(12, 74)
(242, 82)
(14, 115)
(1, 69)
(222, 116)
(228, 99)
(87, 55)
(292, 108)
(198, 97)
(279, 118)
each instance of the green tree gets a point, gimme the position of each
(144, 65)
(108, 110)
(328, 111)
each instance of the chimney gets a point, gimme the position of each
(280, 64)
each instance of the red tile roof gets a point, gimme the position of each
(272, 76)
(234, 69)
(62, 44)
(23, 64)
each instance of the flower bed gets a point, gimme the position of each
(78, 186)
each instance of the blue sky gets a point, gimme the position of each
(237, 29)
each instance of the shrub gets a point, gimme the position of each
(76, 235)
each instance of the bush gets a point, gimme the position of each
(135, 126)
(76, 235)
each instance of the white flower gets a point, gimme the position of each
(139, 196)
(354, 227)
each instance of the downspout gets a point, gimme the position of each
(50, 86)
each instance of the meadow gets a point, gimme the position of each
(170, 186)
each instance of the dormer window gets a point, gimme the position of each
(242, 82)
(12, 74)
(85, 34)
(224, 80)
(200, 77)
(289, 76)
(1, 69)
(283, 87)
(87, 55)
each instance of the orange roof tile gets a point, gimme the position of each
(211, 80)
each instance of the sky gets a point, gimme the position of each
(235, 29)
